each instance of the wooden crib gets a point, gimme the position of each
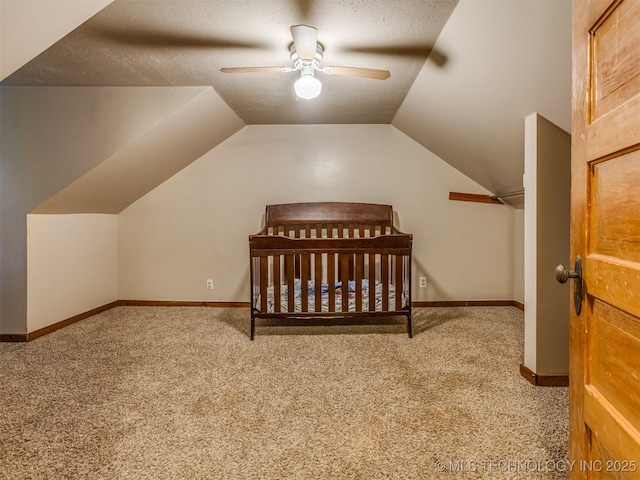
(352, 251)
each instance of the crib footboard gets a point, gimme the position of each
(302, 278)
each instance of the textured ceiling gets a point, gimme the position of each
(185, 43)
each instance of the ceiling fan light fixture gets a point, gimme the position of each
(307, 86)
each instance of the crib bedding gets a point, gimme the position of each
(324, 289)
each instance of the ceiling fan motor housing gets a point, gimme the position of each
(307, 66)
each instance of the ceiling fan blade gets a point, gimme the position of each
(359, 72)
(305, 40)
(438, 57)
(149, 37)
(254, 69)
(432, 54)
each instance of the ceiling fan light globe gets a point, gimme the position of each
(307, 87)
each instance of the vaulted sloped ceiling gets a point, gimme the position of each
(463, 75)
(506, 61)
(28, 27)
(142, 164)
(51, 136)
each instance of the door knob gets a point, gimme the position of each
(562, 275)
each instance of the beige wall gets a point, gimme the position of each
(547, 221)
(49, 137)
(195, 225)
(72, 266)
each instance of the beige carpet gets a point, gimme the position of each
(179, 392)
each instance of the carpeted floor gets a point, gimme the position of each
(181, 393)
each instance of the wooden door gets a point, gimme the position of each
(605, 231)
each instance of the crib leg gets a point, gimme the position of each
(253, 327)
(409, 326)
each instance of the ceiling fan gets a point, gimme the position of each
(306, 54)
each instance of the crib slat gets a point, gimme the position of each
(254, 274)
(384, 278)
(305, 266)
(290, 283)
(359, 274)
(317, 282)
(331, 274)
(399, 282)
(331, 281)
(344, 260)
(297, 258)
(305, 260)
(276, 284)
(359, 266)
(372, 282)
(264, 281)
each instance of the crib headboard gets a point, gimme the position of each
(329, 212)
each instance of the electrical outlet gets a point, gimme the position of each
(423, 282)
(210, 284)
